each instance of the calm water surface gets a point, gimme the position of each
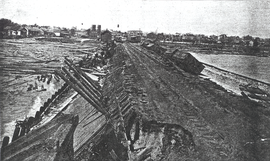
(250, 66)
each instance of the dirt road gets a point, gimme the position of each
(223, 126)
(157, 111)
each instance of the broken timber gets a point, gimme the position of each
(84, 85)
(53, 141)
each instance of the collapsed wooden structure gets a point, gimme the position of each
(96, 118)
(50, 142)
(84, 85)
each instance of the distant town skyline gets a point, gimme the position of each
(236, 18)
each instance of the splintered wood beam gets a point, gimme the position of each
(78, 82)
(83, 75)
(81, 92)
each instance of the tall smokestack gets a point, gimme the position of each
(99, 29)
(93, 27)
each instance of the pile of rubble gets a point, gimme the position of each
(99, 58)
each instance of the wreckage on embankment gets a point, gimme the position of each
(91, 122)
(63, 124)
(52, 141)
(182, 59)
(71, 118)
(145, 110)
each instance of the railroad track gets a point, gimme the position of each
(203, 132)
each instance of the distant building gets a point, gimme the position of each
(188, 37)
(18, 31)
(176, 37)
(93, 27)
(24, 32)
(151, 36)
(8, 31)
(92, 34)
(234, 39)
(57, 31)
(214, 38)
(73, 31)
(47, 32)
(160, 36)
(134, 35)
(106, 36)
(12, 31)
(222, 36)
(65, 34)
(99, 29)
(32, 31)
(82, 33)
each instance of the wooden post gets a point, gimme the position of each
(16, 133)
(23, 129)
(5, 142)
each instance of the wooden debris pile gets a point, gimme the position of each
(83, 84)
(99, 58)
(54, 141)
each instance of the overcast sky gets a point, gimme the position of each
(170, 16)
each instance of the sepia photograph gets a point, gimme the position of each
(135, 80)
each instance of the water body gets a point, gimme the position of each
(257, 68)
(250, 66)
